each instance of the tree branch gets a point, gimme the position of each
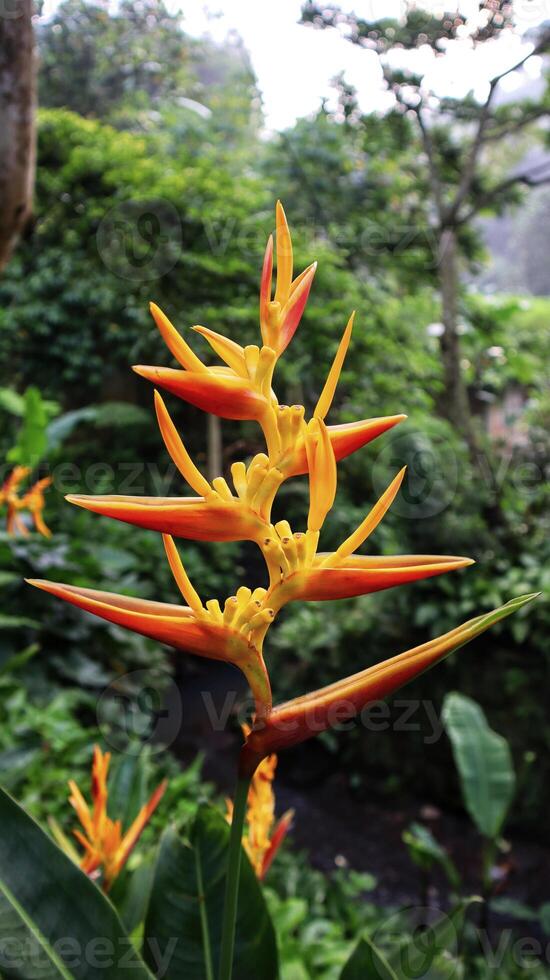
(468, 172)
(513, 127)
(489, 197)
(429, 148)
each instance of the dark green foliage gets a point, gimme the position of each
(54, 921)
(189, 873)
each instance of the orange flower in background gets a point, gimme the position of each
(106, 847)
(265, 835)
(32, 501)
(241, 387)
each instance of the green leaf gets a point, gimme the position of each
(109, 415)
(132, 898)
(54, 922)
(367, 963)
(127, 787)
(173, 918)
(17, 622)
(18, 660)
(11, 401)
(425, 850)
(503, 905)
(63, 426)
(484, 763)
(31, 439)
(544, 917)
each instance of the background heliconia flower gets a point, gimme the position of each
(106, 847)
(264, 834)
(31, 500)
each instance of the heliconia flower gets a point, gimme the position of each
(279, 318)
(9, 495)
(32, 500)
(12, 482)
(205, 630)
(264, 836)
(106, 847)
(240, 387)
(313, 713)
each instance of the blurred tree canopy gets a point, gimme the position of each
(456, 136)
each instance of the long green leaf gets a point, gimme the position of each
(484, 763)
(173, 920)
(127, 787)
(367, 963)
(54, 922)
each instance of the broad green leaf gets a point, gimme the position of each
(484, 763)
(127, 787)
(54, 922)
(62, 427)
(132, 897)
(367, 963)
(108, 415)
(173, 919)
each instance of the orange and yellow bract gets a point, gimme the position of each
(106, 847)
(241, 387)
(32, 500)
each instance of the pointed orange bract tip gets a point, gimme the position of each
(346, 439)
(214, 519)
(292, 313)
(226, 395)
(307, 716)
(363, 574)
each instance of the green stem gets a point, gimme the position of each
(232, 879)
(208, 966)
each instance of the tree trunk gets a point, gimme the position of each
(214, 462)
(17, 116)
(454, 402)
